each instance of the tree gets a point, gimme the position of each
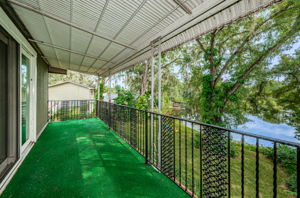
(100, 88)
(277, 100)
(232, 55)
(72, 76)
(138, 79)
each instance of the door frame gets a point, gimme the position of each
(22, 44)
(32, 100)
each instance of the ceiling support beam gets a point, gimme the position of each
(56, 70)
(183, 6)
(68, 50)
(56, 18)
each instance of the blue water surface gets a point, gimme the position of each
(261, 127)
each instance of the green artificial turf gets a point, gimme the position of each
(82, 158)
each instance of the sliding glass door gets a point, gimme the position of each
(9, 138)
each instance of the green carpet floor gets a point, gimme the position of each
(82, 158)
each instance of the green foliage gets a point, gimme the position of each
(287, 158)
(237, 54)
(125, 98)
(81, 78)
(212, 100)
(220, 81)
(292, 182)
(274, 100)
(101, 91)
(142, 101)
(234, 149)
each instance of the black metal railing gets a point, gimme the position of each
(198, 156)
(59, 110)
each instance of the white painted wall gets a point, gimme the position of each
(69, 91)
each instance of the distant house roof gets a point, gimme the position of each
(74, 83)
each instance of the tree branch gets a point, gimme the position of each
(247, 39)
(211, 59)
(173, 61)
(201, 46)
(295, 28)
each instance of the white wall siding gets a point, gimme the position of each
(69, 91)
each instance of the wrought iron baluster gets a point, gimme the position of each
(201, 159)
(146, 139)
(179, 152)
(243, 166)
(185, 155)
(298, 172)
(257, 168)
(228, 166)
(193, 160)
(275, 170)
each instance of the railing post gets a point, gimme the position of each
(109, 114)
(97, 108)
(146, 138)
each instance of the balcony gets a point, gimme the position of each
(99, 149)
(84, 158)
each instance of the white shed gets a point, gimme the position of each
(71, 91)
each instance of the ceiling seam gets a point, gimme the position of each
(145, 32)
(68, 50)
(222, 1)
(70, 35)
(227, 7)
(61, 20)
(119, 32)
(38, 2)
(95, 29)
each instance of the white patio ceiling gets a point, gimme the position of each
(106, 36)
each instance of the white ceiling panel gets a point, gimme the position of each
(79, 40)
(119, 32)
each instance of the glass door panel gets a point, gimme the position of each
(25, 81)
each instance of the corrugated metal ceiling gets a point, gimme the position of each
(105, 37)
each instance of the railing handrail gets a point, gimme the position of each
(289, 143)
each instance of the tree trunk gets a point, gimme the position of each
(145, 76)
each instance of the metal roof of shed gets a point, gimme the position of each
(105, 37)
(70, 82)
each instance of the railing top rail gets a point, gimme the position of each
(289, 143)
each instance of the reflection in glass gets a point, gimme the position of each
(25, 97)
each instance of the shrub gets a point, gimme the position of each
(292, 182)
(234, 151)
(286, 157)
(125, 98)
(142, 101)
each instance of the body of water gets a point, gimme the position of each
(257, 126)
